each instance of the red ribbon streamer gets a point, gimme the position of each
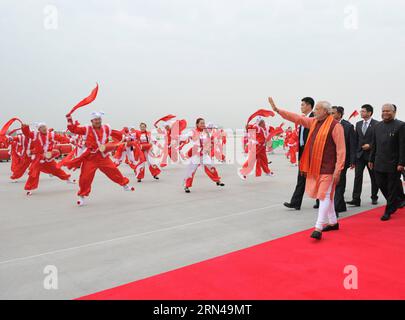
(165, 118)
(354, 114)
(8, 125)
(261, 112)
(85, 101)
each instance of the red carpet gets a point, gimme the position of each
(293, 267)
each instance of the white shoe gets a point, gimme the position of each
(29, 193)
(128, 188)
(241, 176)
(80, 201)
(271, 174)
(71, 181)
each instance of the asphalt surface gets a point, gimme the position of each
(119, 237)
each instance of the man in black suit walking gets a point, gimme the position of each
(364, 135)
(307, 104)
(350, 140)
(387, 158)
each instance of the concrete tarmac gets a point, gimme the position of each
(120, 237)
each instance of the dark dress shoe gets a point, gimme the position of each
(316, 235)
(220, 184)
(187, 190)
(353, 203)
(290, 206)
(386, 217)
(331, 227)
(374, 202)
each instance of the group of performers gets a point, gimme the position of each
(35, 150)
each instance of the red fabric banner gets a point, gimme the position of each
(86, 100)
(262, 113)
(8, 124)
(165, 118)
(354, 114)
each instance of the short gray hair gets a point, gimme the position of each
(393, 107)
(327, 105)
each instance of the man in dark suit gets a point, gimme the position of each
(350, 140)
(364, 135)
(307, 104)
(387, 158)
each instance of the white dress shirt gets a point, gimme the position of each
(302, 142)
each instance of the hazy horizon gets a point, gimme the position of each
(215, 59)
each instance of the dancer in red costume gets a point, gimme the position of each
(200, 154)
(95, 157)
(164, 128)
(166, 131)
(171, 131)
(145, 140)
(218, 138)
(258, 137)
(43, 154)
(130, 151)
(20, 155)
(292, 144)
(78, 143)
(287, 135)
(245, 139)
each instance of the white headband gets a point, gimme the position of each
(259, 119)
(39, 124)
(96, 115)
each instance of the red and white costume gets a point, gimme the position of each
(257, 156)
(20, 155)
(78, 142)
(144, 138)
(92, 158)
(218, 138)
(129, 152)
(200, 154)
(287, 135)
(167, 150)
(171, 132)
(43, 154)
(292, 144)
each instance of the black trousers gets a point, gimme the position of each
(340, 204)
(391, 187)
(296, 199)
(358, 180)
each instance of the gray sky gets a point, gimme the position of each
(219, 59)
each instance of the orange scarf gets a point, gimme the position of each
(311, 166)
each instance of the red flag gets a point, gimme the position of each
(8, 125)
(261, 112)
(165, 118)
(182, 125)
(275, 131)
(178, 127)
(86, 100)
(354, 114)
